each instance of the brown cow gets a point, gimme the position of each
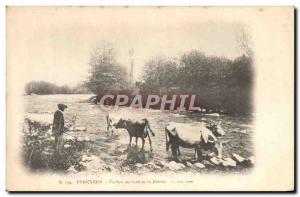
(137, 129)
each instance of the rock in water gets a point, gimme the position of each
(251, 159)
(72, 169)
(239, 159)
(138, 165)
(152, 166)
(182, 166)
(207, 163)
(248, 162)
(216, 160)
(175, 166)
(199, 165)
(189, 164)
(213, 114)
(160, 163)
(67, 146)
(228, 162)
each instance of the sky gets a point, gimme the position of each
(54, 44)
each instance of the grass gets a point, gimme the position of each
(38, 150)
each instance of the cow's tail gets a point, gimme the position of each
(167, 139)
(148, 126)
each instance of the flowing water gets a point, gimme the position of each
(239, 129)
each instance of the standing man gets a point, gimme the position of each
(58, 127)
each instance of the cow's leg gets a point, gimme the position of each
(179, 154)
(130, 139)
(178, 150)
(199, 153)
(143, 140)
(150, 142)
(136, 141)
(107, 130)
(174, 151)
(195, 156)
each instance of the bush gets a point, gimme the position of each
(38, 149)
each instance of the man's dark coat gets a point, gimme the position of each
(58, 126)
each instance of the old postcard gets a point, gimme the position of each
(150, 98)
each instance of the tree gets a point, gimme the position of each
(218, 82)
(105, 73)
(160, 75)
(244, 43)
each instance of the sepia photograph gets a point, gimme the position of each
(150, 98)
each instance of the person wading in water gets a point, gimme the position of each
(58, 128)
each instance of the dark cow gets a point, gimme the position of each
(137, 129)
(190, 136)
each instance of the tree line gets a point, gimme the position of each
(220, 84)
(44, 88)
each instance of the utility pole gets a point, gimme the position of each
(131, 59)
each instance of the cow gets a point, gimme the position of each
(137, 129)
(189, 136)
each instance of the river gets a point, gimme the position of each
(239, 129)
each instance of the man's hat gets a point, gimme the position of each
(62, 106)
